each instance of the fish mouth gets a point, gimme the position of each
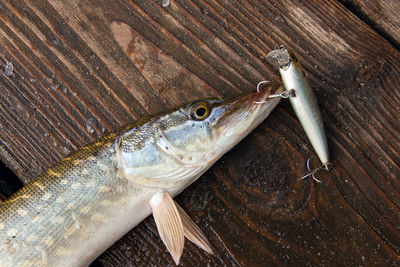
(254, 99)
(263, 92)
(244, 110)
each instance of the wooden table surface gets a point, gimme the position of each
(80, 69)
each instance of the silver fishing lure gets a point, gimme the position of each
(303, 102)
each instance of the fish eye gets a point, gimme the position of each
(200, 111)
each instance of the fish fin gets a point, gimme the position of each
(169, 224)
(193, 232)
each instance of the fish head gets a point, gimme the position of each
(177, 147)
(209, 128)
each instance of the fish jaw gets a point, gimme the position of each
(243, 114)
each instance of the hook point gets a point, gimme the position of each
(260, 83)
(326, 166)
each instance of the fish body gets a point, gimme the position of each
(79, 207)
(302, 100)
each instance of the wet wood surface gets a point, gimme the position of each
(80, 69)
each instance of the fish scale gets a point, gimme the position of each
(79, 207)
(58, 203)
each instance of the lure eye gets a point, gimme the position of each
(200, 111)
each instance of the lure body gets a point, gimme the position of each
(79, 207)
(302, 100)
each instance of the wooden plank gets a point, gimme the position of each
(81, 69)
(382, 15)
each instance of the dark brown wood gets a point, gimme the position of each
(82, 68)
(383, 16)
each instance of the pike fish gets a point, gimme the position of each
(79, 207)
(302, 100)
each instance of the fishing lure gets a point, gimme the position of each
(79, 207)
(303, 102)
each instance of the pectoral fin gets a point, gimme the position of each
(173, 223)
(193, 232)
(168, 223)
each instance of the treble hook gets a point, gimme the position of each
(284, 94)
(326, 166)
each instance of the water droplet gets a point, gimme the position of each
(19, 107)
(54, 87)
(56, 41)
(165, 3)
(204, 11)
(66, 150)
(8, 69)
(90, 124)
(102, 128)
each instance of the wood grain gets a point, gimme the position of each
(383, 16)
(82, 68)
